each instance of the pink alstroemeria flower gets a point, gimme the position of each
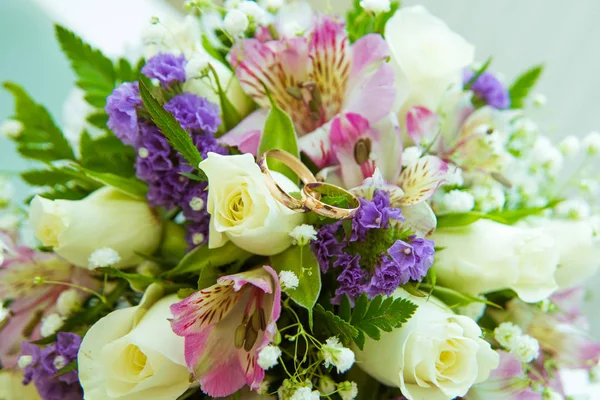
(314, 78)
(225, 326)
(29, 302)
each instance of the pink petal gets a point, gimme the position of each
(367, 50)
(246, 135)
(421, 180)
(223, 379)
(317, 147)
(387, 148)
(421, 124)
(372, 94)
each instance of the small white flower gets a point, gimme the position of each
(375, 6)
(410, 155)
(231, 4)
(574, 208)
(454, 177)
(539, 100)
(303, 234)
(591, 143)
(60, 362)
(51, 324)
(143, 152)
(336, 354)
(545, 154)
(305, 393)
(273, 5)
(348, 390)
(326, 385)
(68, 302)
(570, 146)
(525, 348)
(507, 333)
(196, 203)
(24, 361)
(104, 257)
(268, 356)
(255, 13)
(196, 66)
(11, 128)
(289, 280)
(198, 238)
(235, 23)
(489, 197)
(458, 201)
(551, 394)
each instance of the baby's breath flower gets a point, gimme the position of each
(506, 334)
(289, 280)
(335, 354)
(570, 146)
(196, 66)
(235, 23)
(305, 393)
(268, 356)
(51, 324)
(375, 6)
(410, 155)
(525, 348)
(348, 390)
(591, 143)
(255, 13)
(458, 201)
(11, 128)
(68, 302)
(104, 257)
(303, 234)
(574, 208)
(539, 100)
(326, 385)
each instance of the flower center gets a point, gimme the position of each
(253, 322)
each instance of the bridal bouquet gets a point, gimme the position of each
(276, 203)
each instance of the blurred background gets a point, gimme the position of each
(519, 34)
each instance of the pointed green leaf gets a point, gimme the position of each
(202, 257)
(138, 282)
(301, 261)
(170, 128)
(130, 186)
(106, 154)
(231, 116)
(478, 73)
(522, 86)
(279, 133)
(336, 325)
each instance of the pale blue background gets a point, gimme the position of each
(31, 57)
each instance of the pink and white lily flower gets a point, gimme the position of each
(225, 326)
(322, 82)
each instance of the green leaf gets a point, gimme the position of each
(99, 120)
(130, 186)
(463, 219)
(301, 261)
(279, 133)
(522, 86)
(46, 177)
(379, 314)
(452, 297)
(107, 154)
(214, 53)
(138, 282)
(208, 277)
(202, 257)
(231, 116)
(361, 23)
(478, 73)
(336, 325)
(95, 73)
(170, 128)
(41, 139)
(514, 216)
(72, 366)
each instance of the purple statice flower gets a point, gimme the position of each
(326, 246)
(387, 278)
(121, 107)
(196, 233)
(167, 68)
(373, 214)
(194, 113)
(194, 202)
(208, 144)
(47, 362)
(414, 259)
(352, 279)
(488, 88)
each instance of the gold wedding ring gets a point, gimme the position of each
(293, 163)
(313, 192)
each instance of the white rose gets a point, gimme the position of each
(428, 57)
(132, 354)
(436, 355)
(243, 209)
(12, 388)
(487, 256)
(579, 250)
(106, 218)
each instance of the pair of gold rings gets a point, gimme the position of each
(313, 191)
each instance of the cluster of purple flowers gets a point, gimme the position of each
(158, 164)
(41, 367)
(398, 258)
(488, 88)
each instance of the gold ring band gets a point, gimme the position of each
(297, 167)
(312, 200)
